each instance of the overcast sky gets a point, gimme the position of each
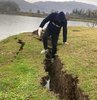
(86, 1)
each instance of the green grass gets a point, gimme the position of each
(80, 57)
(20, 77)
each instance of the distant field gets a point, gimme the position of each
(20, 76)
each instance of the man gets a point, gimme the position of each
(56, 21)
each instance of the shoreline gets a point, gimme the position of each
(44, 15)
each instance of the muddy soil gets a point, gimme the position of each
(61, 83)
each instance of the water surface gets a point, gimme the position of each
(12, 24)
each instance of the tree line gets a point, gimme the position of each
(7, 6)
(11, 7)
(92, 14)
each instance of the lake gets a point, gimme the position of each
(12, 24)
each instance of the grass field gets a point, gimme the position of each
(80, 58)
(20, 77)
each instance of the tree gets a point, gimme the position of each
(9, 6)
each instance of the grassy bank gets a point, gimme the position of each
(20, 76)
(80, 58)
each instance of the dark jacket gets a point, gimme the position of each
(56, 21)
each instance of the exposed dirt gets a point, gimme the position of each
(22, 44)
(62, 83)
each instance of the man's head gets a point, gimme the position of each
(61, 16)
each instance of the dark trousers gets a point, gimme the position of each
(54, 40)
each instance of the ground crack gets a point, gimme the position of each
(22, 44)
(60, 82)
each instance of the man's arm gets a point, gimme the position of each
(48, 18)
(65, 31)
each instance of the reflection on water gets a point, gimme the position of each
(12, 25)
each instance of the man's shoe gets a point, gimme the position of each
(44, 51)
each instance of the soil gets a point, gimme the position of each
(22, 44)
(61, 83)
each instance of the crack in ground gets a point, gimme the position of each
(22, 44)
(60, 82)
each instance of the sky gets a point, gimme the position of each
(85, 1)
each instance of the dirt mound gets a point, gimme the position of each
(62, 83)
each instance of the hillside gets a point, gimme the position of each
(52, 6)
(21, 71)
(64, 6)
(24, 6)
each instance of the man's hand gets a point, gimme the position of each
(40, 31)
